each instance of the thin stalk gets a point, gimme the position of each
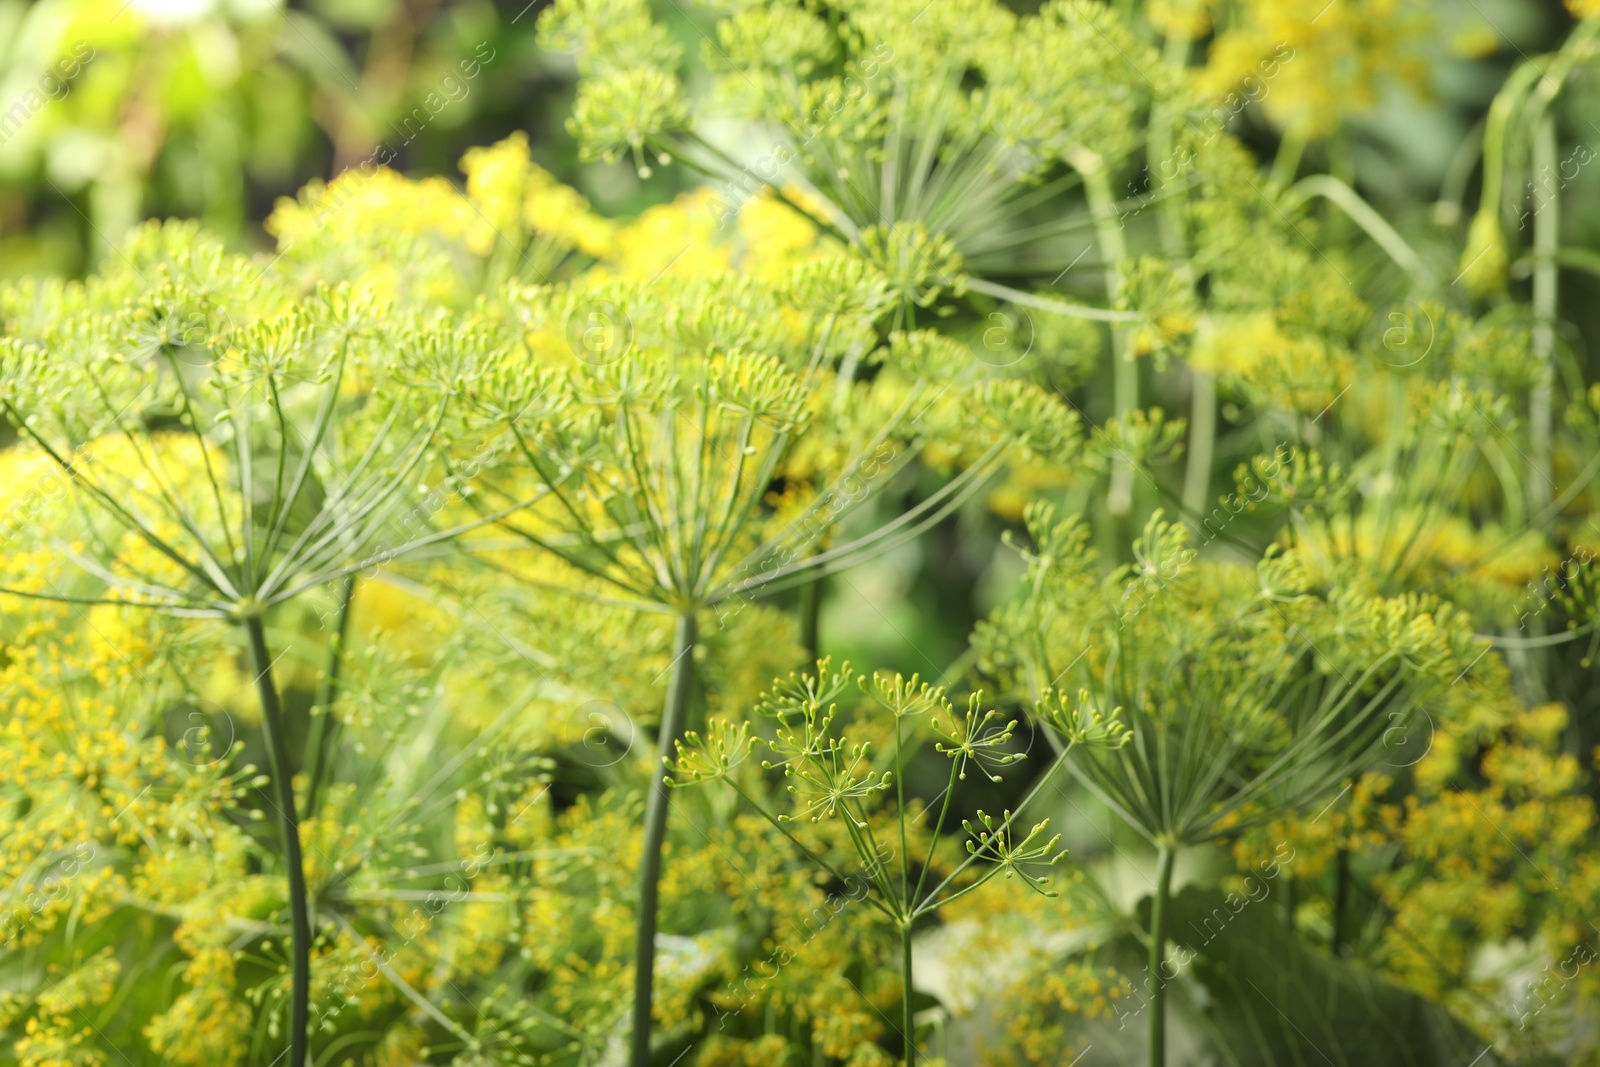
(655, 832)
(1341, 894)
(1453, 189)
(289, 826)
(905, 978)
(811, 617)
(1364, 215)
(1202, 440)
(938, 827)
(900, 810)
(1059, 307)
(1510, 96)
(323, 724)
(812, 856)
(1287, 162)
(1125, 372)
(1158, 952)
(1546, 276)
(1033, 791)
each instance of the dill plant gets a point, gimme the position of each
(836, 778)
(227, 450)
(1247, 693)
(239, 439)
(658, 457)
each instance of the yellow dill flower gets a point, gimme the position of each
(206, 1026)
(1477, 41)
(839, 1029)
(402, 1045)
(1180, 18)
(484, 928)
(54, 1041)
(1311, 64)
(513, 194)
(775, 236)
(496, 179)
(677, 239)
(91, 983)
(348, 209)
(560, 211)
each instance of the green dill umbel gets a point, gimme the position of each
(1247, 693)
(836, 779)
(241, 455)
(658, 462)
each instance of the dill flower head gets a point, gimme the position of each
(939, 120)
(1311, 66)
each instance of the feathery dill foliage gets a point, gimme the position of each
(372, 610)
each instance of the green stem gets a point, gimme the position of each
(900, 812)
(1510, 97)
(905, 976)
(1125, 372)
(1158, 953)
(655, 832)
(1578, 259)
(1044, 303)
(1364, 215)
(1453, 189)
(323, 724)
(1546, 280)
(915, 899)
(1287, 162)
(289, 826)
(1546, 276)
(1202, 440)
(1341, 894)
(811, 617)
